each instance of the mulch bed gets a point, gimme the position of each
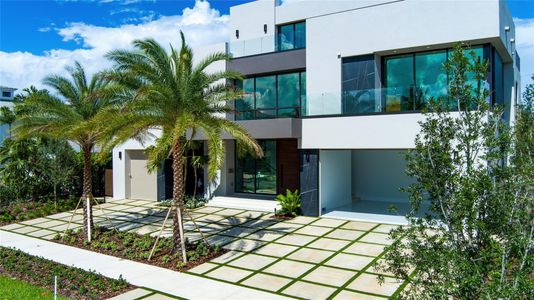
(282, 217)
(72, 282)
(137, 247)
(28, 210)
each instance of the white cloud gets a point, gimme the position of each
(524, 31)
(201, 24)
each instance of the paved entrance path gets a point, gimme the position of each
(304, 257)
(167, 281)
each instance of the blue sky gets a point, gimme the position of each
(45, 35)
(29, 25)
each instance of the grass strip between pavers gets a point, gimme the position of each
(250, 224)
(317, 265)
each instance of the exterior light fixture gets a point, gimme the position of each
(265, 28)
(237, 34)
(512, 40)
(338, 55)
(120, 155)
(506, 28)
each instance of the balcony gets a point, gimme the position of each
(262, 45)
(368, 101)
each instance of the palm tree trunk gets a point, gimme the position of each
(178, 197)
(87, 190)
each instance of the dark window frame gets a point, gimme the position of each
(486, 54)
(236, 159)
(294, 42)
(276, 108)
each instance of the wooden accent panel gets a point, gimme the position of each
(108, 182)
(287, 165)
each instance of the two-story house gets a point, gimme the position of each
(334, 92)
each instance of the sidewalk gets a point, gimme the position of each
(142, 275)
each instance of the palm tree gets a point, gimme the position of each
(68, 116)
(170, 94)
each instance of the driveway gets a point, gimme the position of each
(305, 257)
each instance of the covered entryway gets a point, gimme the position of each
(364, 185)
(274, 173)
(140, 184)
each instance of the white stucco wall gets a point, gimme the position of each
(120, 171)
(400, 26)
(378, 175)
(334, 179)
(361, 132)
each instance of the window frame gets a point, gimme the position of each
(277, 107)
(255, 160)
(486, 54)
(294, 42)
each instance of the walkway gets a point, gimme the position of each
(143, 275)
(305, 257)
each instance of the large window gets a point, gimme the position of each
(274, 96)
(291, 36)
(411, 80)
(359, 95)
(257, 176)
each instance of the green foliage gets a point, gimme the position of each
(289, 203)
(72, 282)
(137, 247)
(190, 202)
(7, 117)
(43, 165)
(470, 167)
(26, 210)
(166, 90)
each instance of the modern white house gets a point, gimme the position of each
(334, 92)
(7, 94)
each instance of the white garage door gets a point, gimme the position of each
(142, 185)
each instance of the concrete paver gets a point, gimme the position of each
(266, 254)
(370, 284)
(309, 291)
(167, 281)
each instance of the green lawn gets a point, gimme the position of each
(15, 289)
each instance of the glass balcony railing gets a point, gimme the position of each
(265, 44)
(367, 101)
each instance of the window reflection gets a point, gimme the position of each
(291, 36)
(267, 97)
(253, 175)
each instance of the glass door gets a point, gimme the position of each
(256, 175)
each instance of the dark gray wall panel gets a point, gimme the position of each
(309, 182)
(275, 62)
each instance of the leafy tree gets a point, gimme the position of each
(58, 163)
(476, 239)
(68, 115)
(45, 166)
(7, 117)
(170, 95)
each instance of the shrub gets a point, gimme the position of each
(290, 203)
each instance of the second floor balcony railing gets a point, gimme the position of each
(356, 102)
(265, 44)
(370, 101)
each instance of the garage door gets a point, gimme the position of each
(142, 185)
